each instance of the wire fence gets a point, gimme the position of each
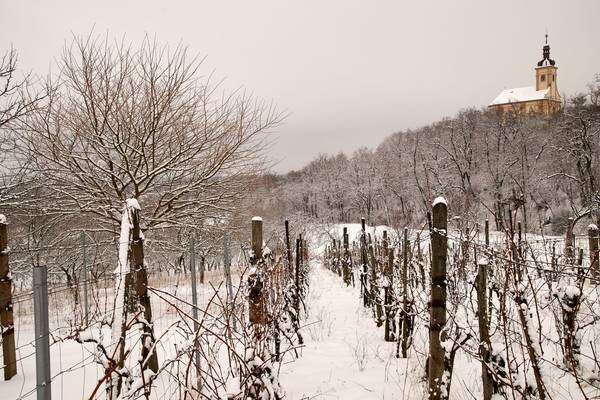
(72, 361)
(539, 302)
(192, 316)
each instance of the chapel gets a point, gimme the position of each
(543, 98)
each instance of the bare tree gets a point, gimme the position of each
(124, 122)
(459, 147)
(16, 100)
(15, 97)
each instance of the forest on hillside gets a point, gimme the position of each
(542, 169)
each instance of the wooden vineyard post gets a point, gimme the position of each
(141, 291)
(6, 306)
(580, 271)
(519, 259)
(338, 255)
(570, 242)
(202, 269)
(484, 332)
(374, 292)
(123, 303)
(420, 260)
(439, 248)
(288, 250)
(593, 248)
(301, 250)
(405, 316)
(256, 303)
(346, 268)
(553, 263)
(387, 273)
(490, 292)
(364, 262)
(297, 280)
(304, 251)
(302, 261)
(336, 259)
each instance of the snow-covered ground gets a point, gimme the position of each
(345, 355)
(349, 358)
(74, 370)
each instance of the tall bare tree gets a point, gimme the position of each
(16, 100)
(123, 121)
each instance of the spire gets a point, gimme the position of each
(546, 61)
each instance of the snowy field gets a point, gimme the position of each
(344, 355)
(74, 370)
(378, 374)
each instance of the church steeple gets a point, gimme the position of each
(546, 60)
(545, 73)
(542, 98)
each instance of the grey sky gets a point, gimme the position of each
(348, 72)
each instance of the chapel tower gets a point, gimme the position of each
(543, 98)
(545, 73)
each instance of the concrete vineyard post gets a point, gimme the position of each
(42, 332)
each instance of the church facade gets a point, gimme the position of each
(543, 98)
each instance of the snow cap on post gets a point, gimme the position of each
(3, 219)
(256, 218)
(133, 204)
(440, 200)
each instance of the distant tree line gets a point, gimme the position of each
(542, 169)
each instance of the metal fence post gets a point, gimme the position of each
(195, 309)
(42, 334)
(86, 306)
(227, 268)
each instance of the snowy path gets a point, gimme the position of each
(345, 355)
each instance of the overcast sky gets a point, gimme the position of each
(349, 73)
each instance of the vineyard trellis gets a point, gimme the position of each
(147, 333)
(523, 306)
